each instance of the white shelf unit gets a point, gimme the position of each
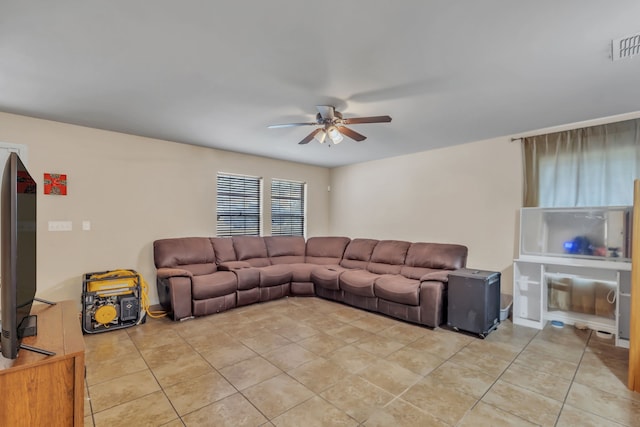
(597, 293)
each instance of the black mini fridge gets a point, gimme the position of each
(474, 301)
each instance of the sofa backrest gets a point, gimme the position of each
(358, 253)
(194, 254)
(223, 247)
(423, 258)
(251, 249)
(285, 249)
(325, 250)
(388, 257)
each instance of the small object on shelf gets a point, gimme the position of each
(604, 335)
(557, 324)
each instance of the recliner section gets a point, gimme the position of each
(198, 276)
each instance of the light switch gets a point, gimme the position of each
(86, 225)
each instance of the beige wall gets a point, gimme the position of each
(468, 194)
(134, 190)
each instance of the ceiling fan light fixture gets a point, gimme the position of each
(320, 136)
(335, 136)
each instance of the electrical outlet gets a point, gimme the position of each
(60, 226)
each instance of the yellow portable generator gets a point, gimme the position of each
(111, 300)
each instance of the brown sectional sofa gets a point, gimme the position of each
(197, 276)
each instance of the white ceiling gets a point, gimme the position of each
(216, 73)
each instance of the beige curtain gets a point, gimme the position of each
(593, 166)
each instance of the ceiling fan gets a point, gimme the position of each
(331, 124)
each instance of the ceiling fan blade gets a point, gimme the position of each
(351, 134)
(290, 125)
(309, 137)
(326, 111)
(375, 119)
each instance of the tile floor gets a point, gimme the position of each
(311, 362)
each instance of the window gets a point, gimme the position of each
(238, 207)
(287, 208)
(593, 166)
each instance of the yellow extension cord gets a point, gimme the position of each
(144, 297)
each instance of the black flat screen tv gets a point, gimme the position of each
(18, 243)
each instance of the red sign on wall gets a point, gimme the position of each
(55, 183)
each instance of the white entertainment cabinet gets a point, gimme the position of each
(574, 266)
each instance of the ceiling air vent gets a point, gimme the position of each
(625, 47)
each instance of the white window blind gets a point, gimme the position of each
(238, 207)
(287, 208)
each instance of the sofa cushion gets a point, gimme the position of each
(194, 254)
(358, 282)
(251, 249)
(398, 289)
(358, 253)
(223, 247)
(285, 249)
(214, 285)
(325, 250)
(327, 276)
(301, 272)
(274, 275)
(436, 255)
(388, 257)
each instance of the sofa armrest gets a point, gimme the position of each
(233, 265)
(438, 276)
(165, 273)
(433, 300)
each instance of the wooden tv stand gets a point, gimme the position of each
(46, 390)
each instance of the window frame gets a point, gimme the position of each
(296, 220)
(240, 201)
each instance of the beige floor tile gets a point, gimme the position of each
(443, 345)
(572, 417)
(401, 414)
(346, 315)
(265, 342)
(319, 374)
(465, 380)
(114, 345)
(150, 339)
(232, 411)
(348, 333)
(515, 335)
(175, 371)
(290, 356)
(323, 322)
(160, 356)
(374, 323)
(445, 403)
(538, 381)
(277, 395)
(123, 389)
(606, 348)
(546, 363)
(606, 405)
(610, 375)
(483, 362)
(241, 330)
(205, 342)
(227, 354)
(379, 346)
(498, 350)
(109, 369)
(357, 397)
(569, 352)
(523, 403)
(404, 332)
(322, 344)
(175, 423)
(484, 415)
(150, 410)
(249, 372)
(567, 335)
(419, 362)
(198, 392)
(88, 421)
(296, 331)
(389, 376)
(352, 358)
(315, 412)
